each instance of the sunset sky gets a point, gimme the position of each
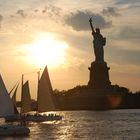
(35, 33)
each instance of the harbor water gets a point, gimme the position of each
(87, 125)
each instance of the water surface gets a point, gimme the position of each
(88, 125)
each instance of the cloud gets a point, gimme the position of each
(36, 10)
(130, 33)
(1, 17)
(131, 56)
(127, 1)
(80, 20)
(55, 10)
(21, 13)
(48, 11)
(44, 11)
(110, 11)
(123, 56)
(51, 10)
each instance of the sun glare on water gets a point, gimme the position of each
(46, 50)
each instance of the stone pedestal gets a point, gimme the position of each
(99, 76)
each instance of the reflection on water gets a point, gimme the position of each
(88, 125)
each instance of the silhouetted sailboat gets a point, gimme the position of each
(25, 98)
(44, 97)
(16, 115)
(25, 102)
(7, 109)
(6, 104)
(44, 100)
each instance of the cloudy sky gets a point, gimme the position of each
(34, 33)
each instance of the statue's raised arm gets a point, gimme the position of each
(92, 28)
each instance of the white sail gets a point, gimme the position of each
(6, 104)
(25, 98)
(44, 97)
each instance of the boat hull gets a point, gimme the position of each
(12, 118)
(42, 118)
(14, 130)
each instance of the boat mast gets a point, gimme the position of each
(38, 74)
(21, 93)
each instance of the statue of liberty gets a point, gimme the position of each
(98, 43)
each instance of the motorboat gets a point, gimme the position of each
(42, 118)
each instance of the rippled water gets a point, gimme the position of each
(88, 125)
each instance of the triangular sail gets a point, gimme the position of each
(25, 98)
(14, 100)
(6, 104)
(14, 95)
(44, 98)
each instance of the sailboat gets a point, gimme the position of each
(7, 109)
(44, 97)
(25, 103)
(16, 115)
(6, 104)
(25, 98)
(44, 100)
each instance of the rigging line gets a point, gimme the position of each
(17, 83)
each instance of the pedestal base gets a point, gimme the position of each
(99, 76)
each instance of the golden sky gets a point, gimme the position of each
(34, 33)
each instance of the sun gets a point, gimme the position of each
(46, 50)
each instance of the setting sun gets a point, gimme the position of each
(46, 50)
